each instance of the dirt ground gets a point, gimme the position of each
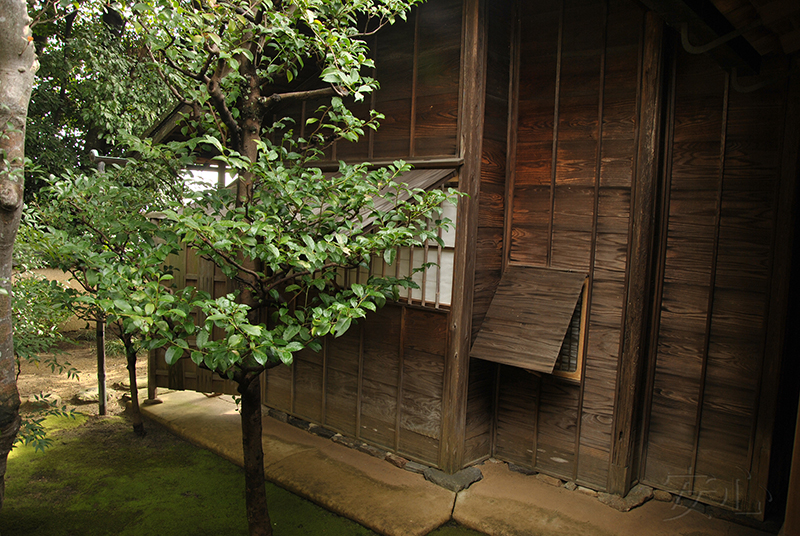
(82, 355)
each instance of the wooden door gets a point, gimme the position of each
(705, 433)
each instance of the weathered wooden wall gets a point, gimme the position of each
(714, 295)
(381, 382)
(491, 218)
(417, 64)
(570, 206)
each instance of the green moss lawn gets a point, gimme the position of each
(100, 479)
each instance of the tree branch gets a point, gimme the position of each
(294, 96)
(218, 101)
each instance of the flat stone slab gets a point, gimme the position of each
(397, 502)
(512, 504)
(637, 496)
(455, 482)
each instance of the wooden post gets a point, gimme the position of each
(638, 290)
(471, 117)
(102, 397)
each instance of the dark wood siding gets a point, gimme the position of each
(417, 64)
(491, 218)
(381, 382)
(715, 280)
(578, 79)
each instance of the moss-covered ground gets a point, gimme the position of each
(98, 478)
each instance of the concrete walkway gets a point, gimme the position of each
(397, 502)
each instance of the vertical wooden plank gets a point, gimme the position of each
(471, 114)
(587, 311)
(517, 416)
(400, 370)
(554, 153)
(359, 399)
(638, 290)
(781, 272)
(511, 137)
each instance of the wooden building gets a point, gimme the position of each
(621, 270)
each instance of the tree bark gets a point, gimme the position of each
(18, 67)
(254, 481)
(136, 414)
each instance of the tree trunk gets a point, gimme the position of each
(254, 481)
(102, 397)
(18, 67)
(136, 414)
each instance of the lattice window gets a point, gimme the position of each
(435, 281)
(570, 356)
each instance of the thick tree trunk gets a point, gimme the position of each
(136, 414)
(254, 481)
(17, 69)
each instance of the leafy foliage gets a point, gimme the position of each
(302, 230)
(93, 88)
(38, 308)
(101, 232)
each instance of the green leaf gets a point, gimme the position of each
(122, 306)
(173, 354)
(202, 339)
(254, 331)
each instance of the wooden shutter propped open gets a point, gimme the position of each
(529, 317)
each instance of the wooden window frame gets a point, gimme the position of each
(582, 326)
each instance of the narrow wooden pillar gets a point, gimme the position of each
(102, 396)
(643, 198)
(471, 117)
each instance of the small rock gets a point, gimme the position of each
(415, 467)
(343, 440)
(279, 415)
(519, 469)
(372, 451)
(88, 396)
(321, 431)
(661, 495)
(125, 385)
(455, 482)
(547, 479)
(587, 491)
(572, 486)
(397, 461)
(299, 423)
(635, 497)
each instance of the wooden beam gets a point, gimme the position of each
(643, 196)
(471, 117)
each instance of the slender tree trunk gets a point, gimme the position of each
(136, 414)
(254, 481)
(102, 397)
(18, 67)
